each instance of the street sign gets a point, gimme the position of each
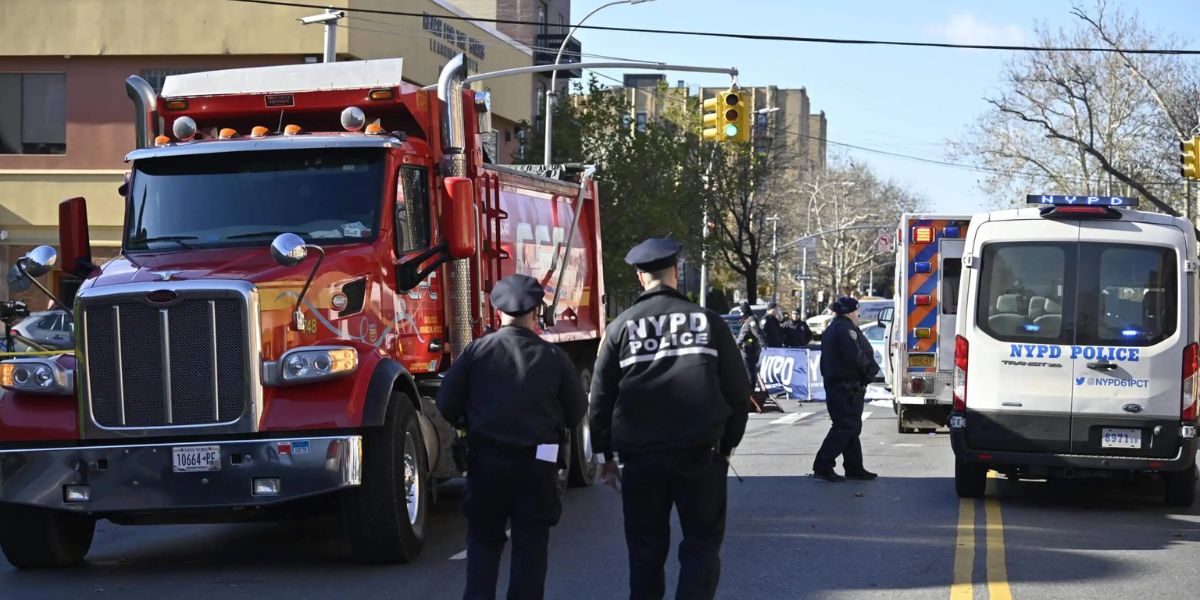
(886, 242)
(808, 242)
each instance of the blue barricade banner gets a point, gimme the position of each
(786, 370)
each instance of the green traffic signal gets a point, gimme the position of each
(731, 130)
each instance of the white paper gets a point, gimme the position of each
(547, 452)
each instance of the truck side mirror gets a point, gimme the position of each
(458, 217)
(39, 261)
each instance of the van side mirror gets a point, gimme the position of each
(458, 217)
(887, 315)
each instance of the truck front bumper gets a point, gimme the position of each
(145, 477)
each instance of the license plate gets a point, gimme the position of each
(188, 459)
(1121, 438)
(921, 360)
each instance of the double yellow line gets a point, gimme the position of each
(964, 553)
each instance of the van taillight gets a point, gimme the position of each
(960, 373)
(1191, 364)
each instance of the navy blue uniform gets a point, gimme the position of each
(796, 334)
(751, 342)
(772, 332)
(669, 395)
(847, 366)
(512, 391)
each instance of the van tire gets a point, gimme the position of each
(376, 514)
(38, 538)
(970, 479)
(1180, 487)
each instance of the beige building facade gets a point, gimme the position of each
(66, 122)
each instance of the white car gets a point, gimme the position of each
(868, 310)
(876, 333)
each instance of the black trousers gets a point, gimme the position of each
(845, 406)
(693, 481)
(750, 359)
(509, 487)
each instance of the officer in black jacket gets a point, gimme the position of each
(514, 393)
(847, 366)
(796, 332)
(669, 395)
(750, 341)
(772, 329)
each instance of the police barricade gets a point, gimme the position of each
(796, 374)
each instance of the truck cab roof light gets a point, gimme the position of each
(384, 94)
(375, 128)
(161, 140)
(175, 104)
(227, 133)
(259, 131)
(292, 130)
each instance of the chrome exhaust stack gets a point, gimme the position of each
(145, 104)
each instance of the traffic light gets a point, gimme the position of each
(727, 117)
(1188, 152)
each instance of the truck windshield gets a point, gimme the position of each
(330, 196)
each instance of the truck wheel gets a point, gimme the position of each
(1180, 487)
(35, 538)
(970, 479)
(900, 428)
(583, 464)
(385, 516)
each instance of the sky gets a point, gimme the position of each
(902, 100)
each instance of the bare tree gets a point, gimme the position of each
(1087, 122)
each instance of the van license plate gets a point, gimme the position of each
(1121, 438)
(188, 459)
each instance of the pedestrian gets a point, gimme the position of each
(514, 393)
(796, 332)
(772, 330)
(847, 366)
(750, 341)
(669, 397)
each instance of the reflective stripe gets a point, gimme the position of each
(665, 353)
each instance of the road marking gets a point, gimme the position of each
(964, 552)
(790, 419)
(463, 554)
(997, 568)
(866, 414)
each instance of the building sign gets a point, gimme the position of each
(446, 38)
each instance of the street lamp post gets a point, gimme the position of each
(774, 219)
(554, 74)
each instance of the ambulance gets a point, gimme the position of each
(1076, 353)
(920, 335)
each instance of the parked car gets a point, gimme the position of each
(876, 333)
(53, 329)
(868, 310)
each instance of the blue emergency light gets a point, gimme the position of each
(922, 267)
(952, 231)
(1059, 200)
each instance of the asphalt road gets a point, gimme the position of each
(903, 536)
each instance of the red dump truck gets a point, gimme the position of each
(306, 249)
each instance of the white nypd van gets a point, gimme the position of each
(1075, 353)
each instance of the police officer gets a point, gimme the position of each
(750, 341)
(796, 332)
(847, 366)
(669, 396)
(771, 328)
(514, 393)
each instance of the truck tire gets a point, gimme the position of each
(970, 479)
(34, 538)
(1180, 487)
(385, 516)
(583, 464)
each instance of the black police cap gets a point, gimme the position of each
(654, 254)
(844, 305)
(517, 294)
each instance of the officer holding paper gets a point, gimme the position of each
(514, 393)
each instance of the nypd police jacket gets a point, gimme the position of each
(669, 376)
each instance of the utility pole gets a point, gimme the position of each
(329, 19)
(774, 219)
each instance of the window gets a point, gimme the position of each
(33, 113)
(326, 196)
(641, 122)
(1022, 295)
(539, 103)
(951, 274)
(874, 333)
(1128, 296)
(541, 18)
(412, 209)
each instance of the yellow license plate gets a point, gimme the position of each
(921, 360)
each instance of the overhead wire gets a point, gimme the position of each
(752, 36)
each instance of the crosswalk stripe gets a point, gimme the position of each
(463, 554)
(866, 413)
(790, 419)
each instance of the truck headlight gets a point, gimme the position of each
(37, 376)
(304, 365)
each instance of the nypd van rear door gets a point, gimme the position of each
(1130, 339)
(1018, 317)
